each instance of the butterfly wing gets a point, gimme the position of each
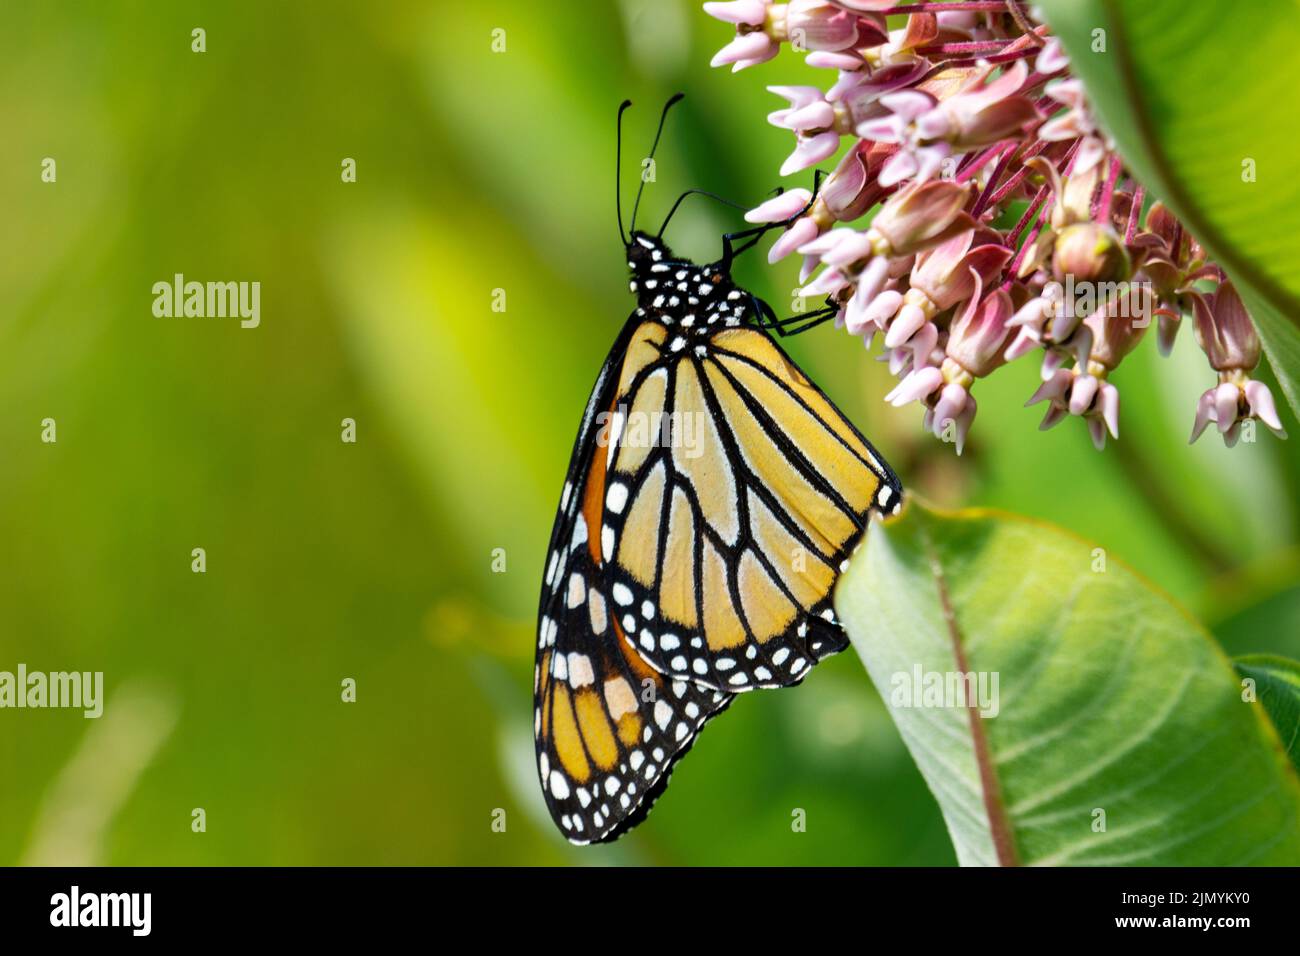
(722, 549)
(608, 727)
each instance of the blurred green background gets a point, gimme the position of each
(476, 171)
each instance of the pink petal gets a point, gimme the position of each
(1052, 362)
(931, 160)
(1051, 58)
(1032, 313)
(897, 168)
(907, 323)
(887, 129)
(1097, 429)
(883, 307)
(1053, 388)
(828, 282)
(1204, 415)
(769, 54)
(811, 151)
(1055, 415)
(934, 124)
(748, 47)
(780, 208)
(908, 104)
(851, 248)
(1082, 394)
(826, 60)
(1024, 343)
(1091, 152)
(1109, 404)
(813, 116)
(791, 239)
(855, 314)
(915, 386)
(751, 12)
(797, 96)
(1262, 407)
(824, 243)
(874, 277)
(1225, 405)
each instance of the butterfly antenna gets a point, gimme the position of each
(618, 170)
(653, 146)
(697, 192)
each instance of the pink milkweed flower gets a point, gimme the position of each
(1107, 336)
(848, 192)
(1051, 59)
(1076, 121)
(1228, 338)
(974, 349)
(818, 122)
(977, 336)
(1075, 391)
(819, 25)
(914, 159)
(761, 28)
(752, 44)
(953, 271)
(781, 208)
(929, 130)
(813, 121)
(1173, 262)
(913, 219)
(862, 82)
(808, 109)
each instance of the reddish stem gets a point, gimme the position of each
(972, 6)
(982, 203)
(979, 161)
(1134, 213)
(971, 46)
(1028, 216)
(1102, 210)
(1019, 176)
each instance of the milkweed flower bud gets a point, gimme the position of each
(1090, 252)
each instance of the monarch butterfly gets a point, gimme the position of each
(694, 560)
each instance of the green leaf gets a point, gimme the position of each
(1195, 97)
(1111, 704)
(1277, 686)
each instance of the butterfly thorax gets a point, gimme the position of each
(693, 301)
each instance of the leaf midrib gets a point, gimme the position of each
(991, 790)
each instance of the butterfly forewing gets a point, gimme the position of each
(727, 522)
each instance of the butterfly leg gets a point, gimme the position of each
(751, 236)
(795, 324)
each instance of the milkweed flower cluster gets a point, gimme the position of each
(1005, 222)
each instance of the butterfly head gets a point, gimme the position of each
(667, 284)
(644, 252)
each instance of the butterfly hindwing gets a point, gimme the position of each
(608, 727)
